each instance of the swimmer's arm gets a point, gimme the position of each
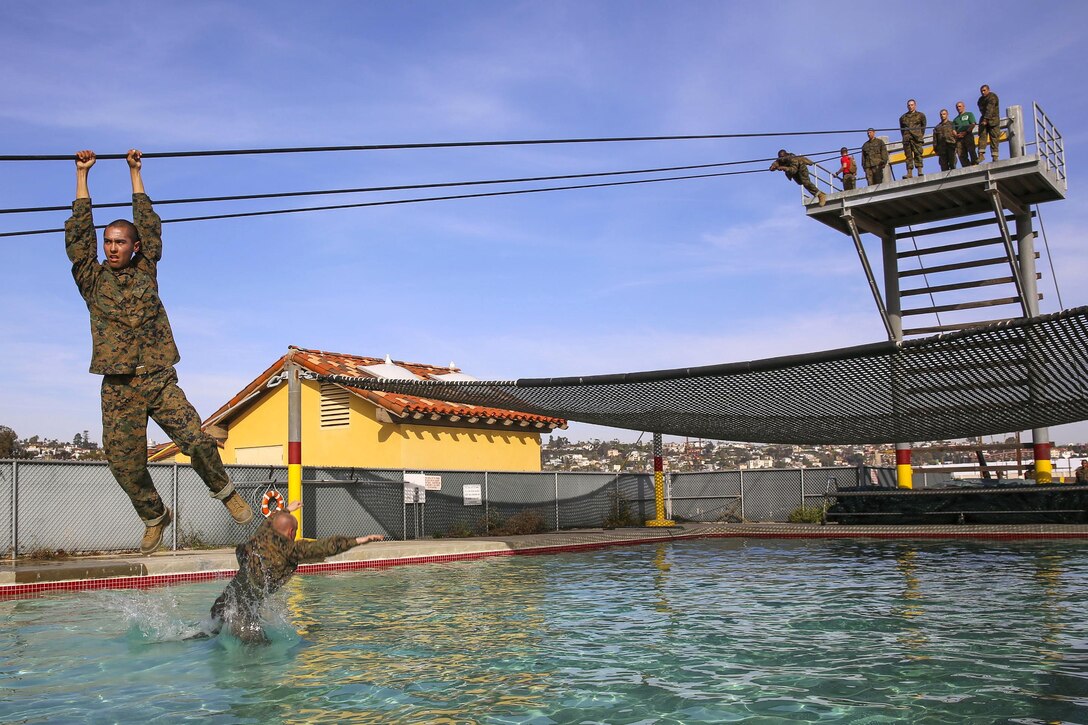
(321, 548)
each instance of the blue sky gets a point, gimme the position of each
(576, 282)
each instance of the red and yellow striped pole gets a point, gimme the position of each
(294, 441)
(1044, 470)
(904, 474)
(659, 487)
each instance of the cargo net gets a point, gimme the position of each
(1001, 377)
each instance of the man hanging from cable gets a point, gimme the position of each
(796, 169)
(265, 563)
(133, 349)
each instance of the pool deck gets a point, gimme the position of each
(22, 578)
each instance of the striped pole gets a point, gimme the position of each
(903, 470)
(294, 441)
(659, 487)
(1044, 471)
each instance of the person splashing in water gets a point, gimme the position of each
(265, 563)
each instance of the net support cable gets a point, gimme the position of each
(953, 385)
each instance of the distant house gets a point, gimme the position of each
(345, 426)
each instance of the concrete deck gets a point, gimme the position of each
(121, 571)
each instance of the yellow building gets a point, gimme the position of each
(345, 426)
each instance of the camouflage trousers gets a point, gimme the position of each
(946, 156)
(912, 149)
(966, 149)
(849, 181)
(992, 138)
(127, 402)
(874, 175)
(802, 178)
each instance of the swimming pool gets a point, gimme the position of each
(718, 630)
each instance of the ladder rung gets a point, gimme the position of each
(958, 265)
(949, 248)
(951, 328)
(955, 227)
(964, 306)
(961, 285)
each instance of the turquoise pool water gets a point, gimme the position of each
(757, 631)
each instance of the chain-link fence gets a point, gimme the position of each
(77, 506)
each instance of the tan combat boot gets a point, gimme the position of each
(822, 197)
(153, 534)
(239, 509)
(910, 172)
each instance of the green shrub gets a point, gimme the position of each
(522, 523)
(619, 511)
(808, 515)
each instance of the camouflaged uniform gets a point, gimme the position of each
(965, 138)
(989, 124)
(912, 125)
(944, 144)
(874, 157)
(265, 563)
(133, 349)
(796, 168)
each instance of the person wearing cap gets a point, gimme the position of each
(796, 169)
(874, 157)
(848, 170)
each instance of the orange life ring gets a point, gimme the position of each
(266, 503)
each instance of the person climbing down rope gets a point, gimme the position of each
(133, 349)
(265, 563)
(796, 169)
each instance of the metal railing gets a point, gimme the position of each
(48, 507)
(1048, 140)
(1049, 144)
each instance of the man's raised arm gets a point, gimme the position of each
(143, 215)
(80, 241)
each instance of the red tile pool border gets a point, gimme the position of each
(18, 591)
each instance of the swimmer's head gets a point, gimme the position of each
(284, 524)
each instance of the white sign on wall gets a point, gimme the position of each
(473, 493)
(415, 488)
(432, 483)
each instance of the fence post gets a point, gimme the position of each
(802, 486)
(740, 492)
(14, 509)
(403, 507)
(557, 500)
(487, 508)
(174, 486)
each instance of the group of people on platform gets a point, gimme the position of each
(953, 138)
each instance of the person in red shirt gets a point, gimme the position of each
(848, 170)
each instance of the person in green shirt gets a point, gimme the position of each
(964, 125)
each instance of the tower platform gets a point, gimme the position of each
(942, 195)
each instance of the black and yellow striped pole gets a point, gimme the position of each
(659, 487)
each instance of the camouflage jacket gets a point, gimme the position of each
(791, 163)
(874, 153)
(988, 113)
(269, 559)
(913, 125)
(130, 332)
(944, 134)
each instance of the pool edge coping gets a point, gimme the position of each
(779, 531)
